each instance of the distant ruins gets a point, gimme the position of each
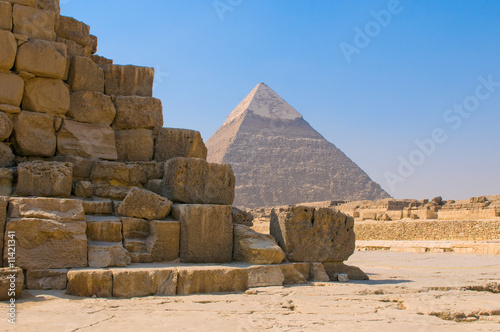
(278, 158)
(94, 189)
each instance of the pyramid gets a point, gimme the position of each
(279, 159)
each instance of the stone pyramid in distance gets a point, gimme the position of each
(279, 159)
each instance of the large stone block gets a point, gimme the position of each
(5, 15)
(255, 248)
(92, 107)
(48, 244)
(6, 126)
(211, 279)
(51, 5)
(129, 80)
(164, 242)
(46, 208)
(333, 269)
(73, 48)
(104, 229)
(114, 180)
(34, 23)
(195, 181)
(265, 276)
(102, 255)
(135, 228)
(43, 178)
(29, 3)
(313, 235)
(137, 282)
(11, 277)
(153, 170)
(42, 58)
(90, 283)
(172, 143)
(85, 75)
(6, 178)
(46, 95)
(11, 89)
(46, 279)
(135, 144)
(34, 134)
(86, 140)
(206, 233)
(144, 204)
(8, 50)
(138, 112)
(82, 167)
(74, 30)
(98, 207)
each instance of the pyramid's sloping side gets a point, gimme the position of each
(279, 162)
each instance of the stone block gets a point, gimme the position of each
(135, 228)
(73, 48)
(9, 276)
(242, 217)
(102, 255)
(91, 107)
(317, 273)
(211, 279)
(135, 144)
(46, 208)
(86, 140)
(6, 126)
(101, 61)
(11, 89)
(9, 109)
(29, 3)
(333, 269)
(46, 279)
(98, 207)
(85, 75)
(34, 23)
(309, 234)
(255, 248)
(42, 58)
(128, 80)
(34, 134)
(265, 276)
(292, 275)
(144, 204)
(206, 233)
(8, 50)
(82, 167)
(153, 170)
(90, 283)
(172, 143)
(83, 189)
(42, 178)
(304, 269)
(195, 181)
(138, 113)
(74, 30)
(6, 178)
(104, 229)
(138, 282)
(46, 95)
(50, 5)
(48, 244)
(118, 174)
(5, 16)
(164, 242)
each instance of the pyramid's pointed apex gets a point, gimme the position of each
(263, 101)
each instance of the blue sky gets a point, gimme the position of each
(397, 87)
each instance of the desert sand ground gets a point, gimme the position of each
(407, 292)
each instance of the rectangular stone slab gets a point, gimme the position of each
(211, 279)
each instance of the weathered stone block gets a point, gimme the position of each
(85, 75)
(5, 15)
(48, 244)
(34, 23)
(206, 233)
(50, 5)
(73, 48)
(138, 113)
(144, 204)
(92, 107)
(137, 282)
(164, 241)
(46, 279)
(6, 178)
(104, 229)
(8, 50)
(90, 283)
(29, 3)
(153, 170)
(135, 228)
(83, 189)
(74, 30)
(6, 127)
(255, 248)
(292, 275)
(313, 235)
(86, 140)
(242, 217)
(135, 144)
(11, 89)
(102, 255)
(42, 58)
(46, 208)
(317, 273)
(42, 178)
(34, 134)
(211, 279)
(265, 276)
(333, 269)
(46, 95)
(129, 80)
(195, 181)
(101, 61)
(119, 174)
(98, 207)
(172, 143)
(6, 280)
(82, 167)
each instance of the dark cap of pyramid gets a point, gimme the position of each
(263, 101)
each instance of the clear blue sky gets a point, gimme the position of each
(395, 90)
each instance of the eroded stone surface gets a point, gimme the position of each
(46, 95)
(46, 279)
(138, 282)
(46, 208)
(11, 89)
(136, 112)
(129, 80)
(47, 179)
(172, 143)
(200, 280)
(8, 49)
(255, 248)
(144, 204)
(42, 58)
(90, 283)
(92, 107)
